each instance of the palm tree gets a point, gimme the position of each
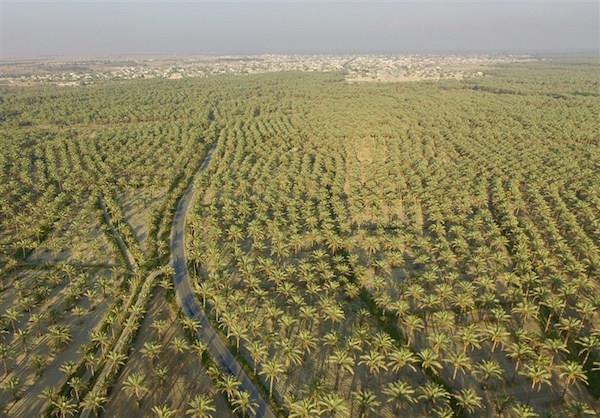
(488, 370)
(306, 341)
(64, 406)
(344, 363)
(271, 370)
(134, 387)
(569, 326)
(243, 403)
(68, 368)
(430, 360)
(468, 400)
(374, 361)
(470, 337)
(399, 393)
(4, 356)
(163, 411)
(238, 331)
(459, 361)
(228, 385)
(91, 362)
(100, 338)
(201, 407)
(333, 404)
(118, 359)
(305, 408)
(539, 374)
(76, 384)
(12, 315)
(497, 335)
(12, 384)
(588, 344)
(572, 372)
(412, 323)
(59, 336)
(151, 350)
(400, 358)
(258, 352)
(523, 411)
(179, 345)
(191, 325)
(161, 373)
(333, 312)
(519, 352)
(526, 310)
(93, 402)
(433, 392)
(578, 409)
(367, 402)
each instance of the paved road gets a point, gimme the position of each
(190, 305)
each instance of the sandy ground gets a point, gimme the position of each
(186, 377)
(29, 402)
(137, 213)
(80, 240)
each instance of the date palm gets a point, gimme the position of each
(59, 336)
(93, 402)
(399, 394)
(76, 384)
(470, 338)
(400, 358)
(430, 360)
(367, 402)
(244, 404)
(12, 384)
(332, 405)
(569, 326)
(64, 407)
(135, 387)
(539, 374)
(374, 362)
(179, 345)
(587, 344)
(344, 364)
(304, 408)
(519, 352)
(91, 362)
(201, 406)
(459, 361)
(433, 393)
(151, 351)
(468, 400)
(191, 325)
(68, 368)
(488, 370)
(163, 411)
(412, 324)
(271, 370)
(229, 386)
(5, 354)
(523, 411)
(572, 372)
(497, 335)
(258, 352)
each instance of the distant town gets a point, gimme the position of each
(357, 68)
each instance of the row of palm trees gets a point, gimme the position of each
(472, 299)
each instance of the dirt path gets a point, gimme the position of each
(189, 304)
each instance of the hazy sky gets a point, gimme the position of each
(92, 28)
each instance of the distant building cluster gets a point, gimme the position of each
(357, 68)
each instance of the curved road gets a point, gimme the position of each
(188, 302)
